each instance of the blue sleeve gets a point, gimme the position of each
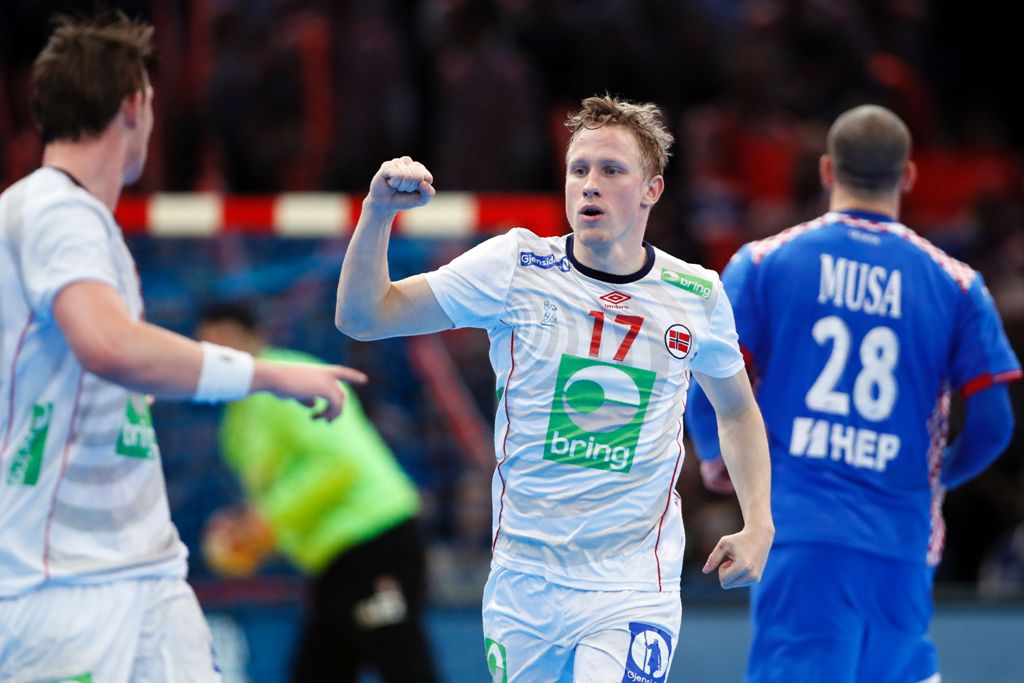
(702, 424)
(738, 279)
(988, 426)
(982, 355)
(718, 351)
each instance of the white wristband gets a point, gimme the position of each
(226, 374)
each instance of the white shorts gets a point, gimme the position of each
(143, 631)
(535, 631)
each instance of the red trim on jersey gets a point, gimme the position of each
(60, 477)
(10, 393)
(748, 357)
(938, 436)
(761, 248)
(668, 500)
(985, 380)
(504, 443)
(962, 273)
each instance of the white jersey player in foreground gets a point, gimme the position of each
(594, 337)
(91, 568)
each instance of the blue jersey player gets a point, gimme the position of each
(860, 331)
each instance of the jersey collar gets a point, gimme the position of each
(868, 215)
(68, 174)
(610, 277)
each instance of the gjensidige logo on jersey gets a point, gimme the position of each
(596, 413)
(545, 261)
(650, 651)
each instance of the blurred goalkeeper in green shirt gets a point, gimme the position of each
(331, 498)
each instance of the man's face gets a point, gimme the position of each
(607, 193)
(139, 142)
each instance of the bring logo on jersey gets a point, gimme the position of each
(597, 412)
(689, 283)
(28, 460)
(496, 660)
(137, 438)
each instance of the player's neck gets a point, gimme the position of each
(841, 200)
(614, 259)
(93, 162)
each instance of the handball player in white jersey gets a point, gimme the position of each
(91, 568)
(594, 339)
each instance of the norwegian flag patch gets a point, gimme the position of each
(678, 341)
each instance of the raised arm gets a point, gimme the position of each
(370, 305)
(151, 360)
(740, 557)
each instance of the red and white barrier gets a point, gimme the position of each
(451, 214)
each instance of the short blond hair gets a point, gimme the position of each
(644, 120)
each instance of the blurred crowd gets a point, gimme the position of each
(265, 96)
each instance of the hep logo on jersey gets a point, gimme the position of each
(650, 651)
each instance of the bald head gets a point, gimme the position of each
(869, 146)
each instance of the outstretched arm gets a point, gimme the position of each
(740, 557)
(142, 357)
(370, 305)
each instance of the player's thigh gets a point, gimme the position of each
(175, 643)
(897, 647)
(61, 633)
(806, 623)
(522, 623)
(632, 637)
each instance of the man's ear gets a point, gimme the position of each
(132, 106)
(653, 191)
(908, 178)
(826, 172)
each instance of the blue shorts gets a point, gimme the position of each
(825, 613)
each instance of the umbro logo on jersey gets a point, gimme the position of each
(547, 261)
(615, 300)
(678, 340)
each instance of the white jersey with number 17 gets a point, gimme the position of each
(592, 372)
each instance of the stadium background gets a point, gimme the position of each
(258, 100)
